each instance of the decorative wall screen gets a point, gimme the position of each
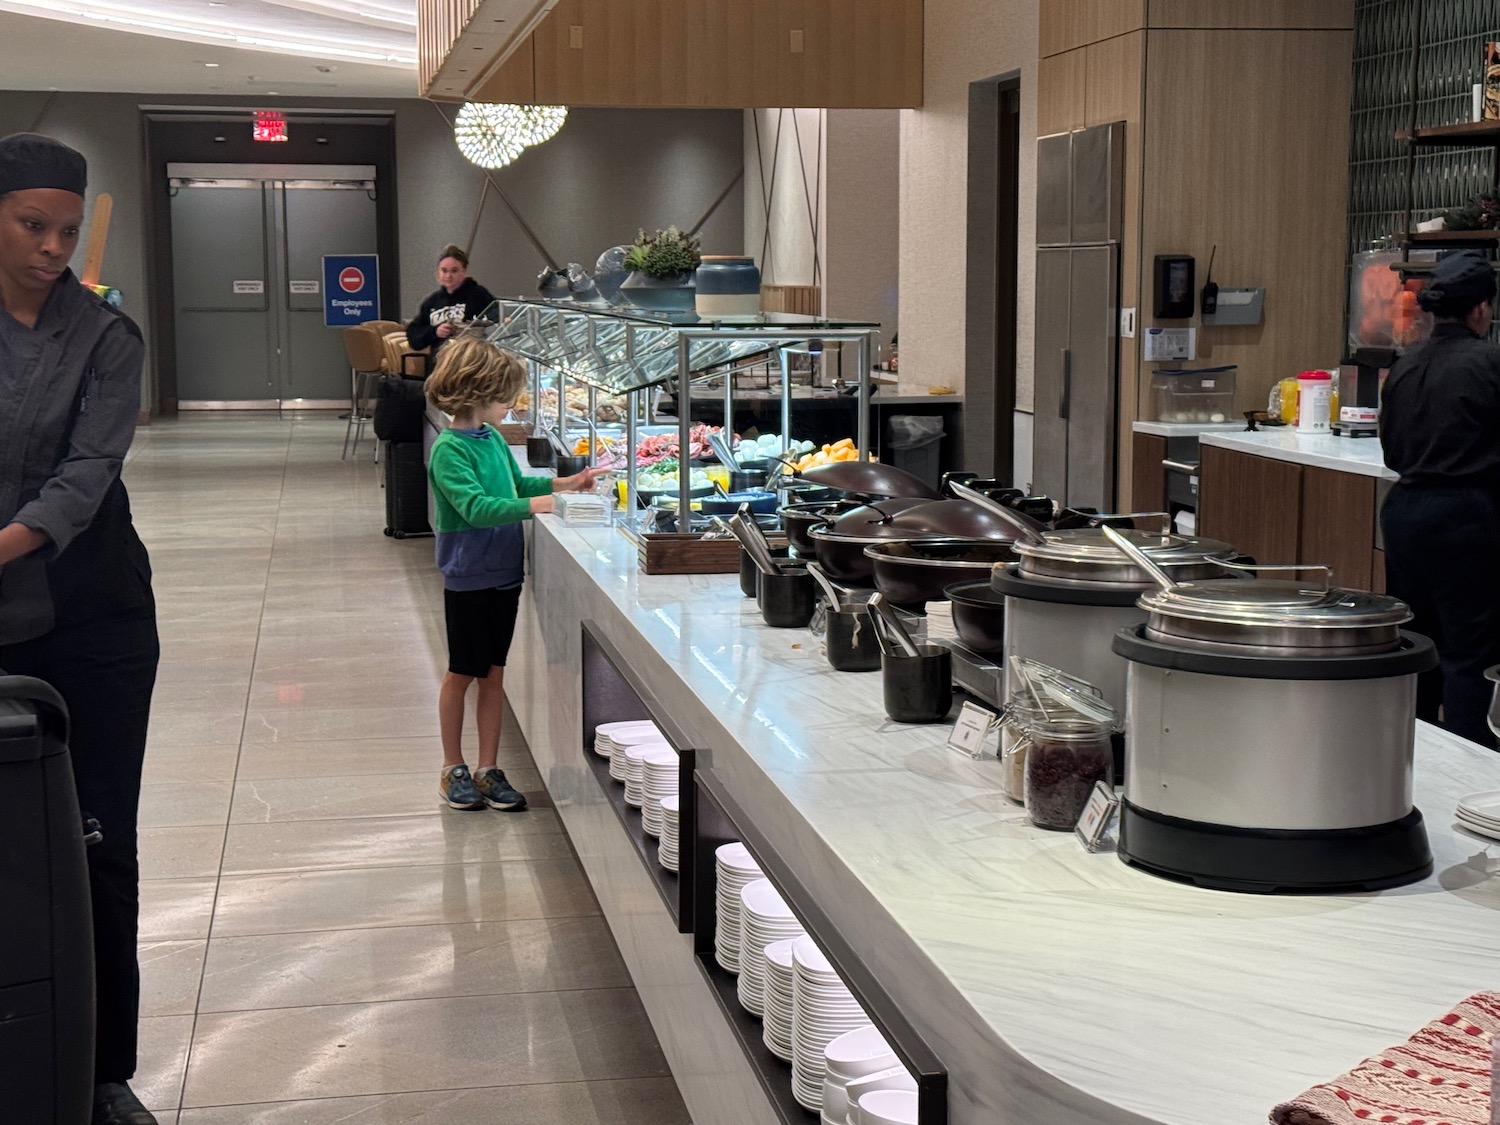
(1453, 36)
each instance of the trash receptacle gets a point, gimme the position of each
(46, 944)
(916, 443)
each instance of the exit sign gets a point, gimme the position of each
(269, 126)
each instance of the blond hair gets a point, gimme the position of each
(473, 373)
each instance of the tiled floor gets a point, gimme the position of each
(321, 942)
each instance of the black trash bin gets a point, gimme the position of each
(46, 941)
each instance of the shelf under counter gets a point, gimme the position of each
(1035, 970)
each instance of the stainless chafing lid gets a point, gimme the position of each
(1085, 555)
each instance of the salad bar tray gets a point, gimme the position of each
(677, 553)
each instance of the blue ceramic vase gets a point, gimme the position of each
(659, 294)
(728, 287)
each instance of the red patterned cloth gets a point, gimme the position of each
(1440, 1076)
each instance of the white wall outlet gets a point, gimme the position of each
(1127, 324)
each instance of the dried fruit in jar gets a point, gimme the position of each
(1060, 775)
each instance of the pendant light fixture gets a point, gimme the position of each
(492, 134)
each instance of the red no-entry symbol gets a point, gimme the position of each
(352, 279)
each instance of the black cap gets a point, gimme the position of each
(30, 160)
(1458, 283)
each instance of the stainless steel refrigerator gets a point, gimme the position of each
(1080, 185)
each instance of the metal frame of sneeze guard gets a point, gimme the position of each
(629, 352)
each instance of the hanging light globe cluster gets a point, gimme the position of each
(492, 134)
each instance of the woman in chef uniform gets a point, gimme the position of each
(1440, 429)
(75, 585)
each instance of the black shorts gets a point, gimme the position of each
(480, 624)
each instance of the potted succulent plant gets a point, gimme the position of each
(661, 268)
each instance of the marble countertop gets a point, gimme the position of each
(1324, 451)
(1057, 985)
(1186, 429)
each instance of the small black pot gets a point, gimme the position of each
(918, 689)
(850, 640)
(787, 599)
(978, 616)
(539, 452)
(748, 569)
(571, 465)
(747, 480)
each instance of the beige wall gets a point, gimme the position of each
(967, 40)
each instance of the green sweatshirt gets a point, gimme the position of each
(480, 498)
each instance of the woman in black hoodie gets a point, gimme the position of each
(458, 298)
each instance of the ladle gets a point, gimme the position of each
(1029, 529)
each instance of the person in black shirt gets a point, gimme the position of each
(1440, 431)
(76, 607)
(458, 298)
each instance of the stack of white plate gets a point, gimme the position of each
(764, 918)
(735, 868)
(1480, 813)
(658, 780)
(667, 854)
(635, 772)
(611, 738)
(885, 1107)
(852, 1056)
(896, 1078)
(777, 1010)
(822, 1010)
(583, 509)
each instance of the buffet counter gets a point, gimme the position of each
(1362, 456)
(1053, 984)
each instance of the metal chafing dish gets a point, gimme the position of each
(1271, 727)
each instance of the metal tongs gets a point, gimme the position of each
(892, 635)
(1026, 527)
(839, 597)
(748, 532)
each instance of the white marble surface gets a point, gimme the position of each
(1186, 429)
(1057, 986)
(1323, 451)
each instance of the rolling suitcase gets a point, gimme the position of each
(46, 943)
(405, 490)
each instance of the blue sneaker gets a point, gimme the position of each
(456, 787)
(497, 792)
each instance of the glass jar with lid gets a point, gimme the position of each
(1059, 746)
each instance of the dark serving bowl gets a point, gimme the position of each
(920, 570)
(978, 616)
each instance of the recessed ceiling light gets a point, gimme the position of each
(210, 64)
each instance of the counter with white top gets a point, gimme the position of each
(1056, 986)
(1324, 451)
(1185, 429)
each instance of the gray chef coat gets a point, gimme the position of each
(70, 391)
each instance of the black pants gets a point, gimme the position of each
(106, 670)
(1442, 558)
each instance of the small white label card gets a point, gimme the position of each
(1097, 814)
(971, 733)
(249, 287)
(304, 287)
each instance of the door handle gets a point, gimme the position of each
(1065, 398)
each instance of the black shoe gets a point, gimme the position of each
(114, 1104)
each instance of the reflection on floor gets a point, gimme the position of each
(320, 941)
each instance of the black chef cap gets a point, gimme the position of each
(1459, 282)
(30, 160)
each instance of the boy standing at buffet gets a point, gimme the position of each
(481, 498)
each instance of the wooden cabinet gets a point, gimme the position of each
(1278, 512)
(1252, 503)
(1149, 485)
(1338, 525)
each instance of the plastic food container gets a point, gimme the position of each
(1314, 402)
(1199, 395)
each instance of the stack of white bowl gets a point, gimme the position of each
(764, 918)
(667, 854)
(611, 739)
(884, 1107)
(855, 1055)
(777, 1009)
(658, 779)
(735, 867)
(822, 1010)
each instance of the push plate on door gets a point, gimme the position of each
(249, 287)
